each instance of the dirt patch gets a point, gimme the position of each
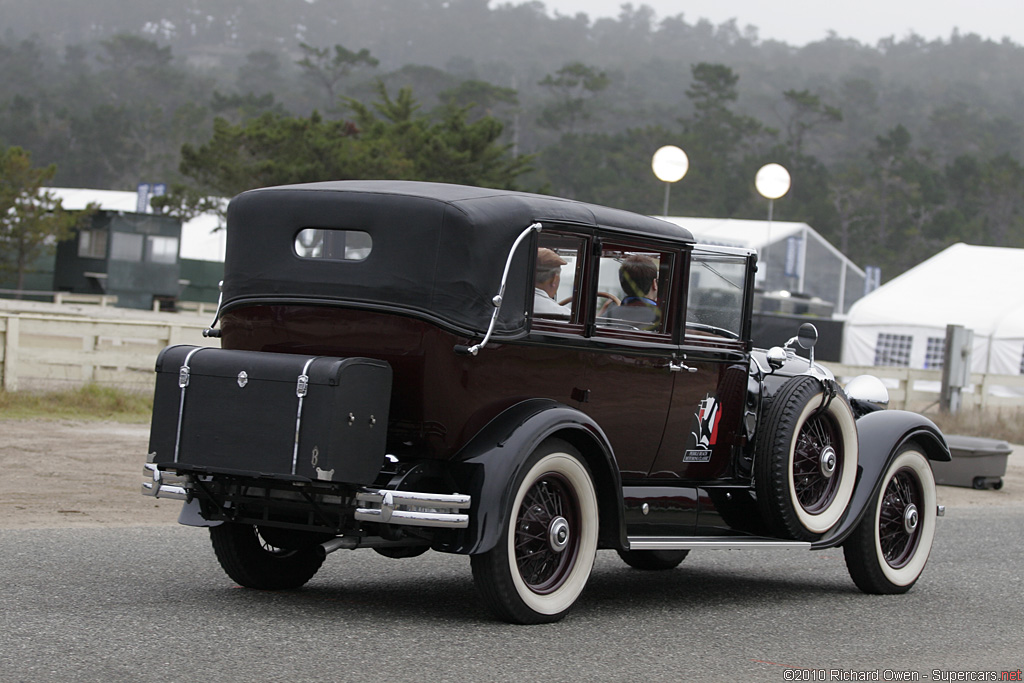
(66, 473)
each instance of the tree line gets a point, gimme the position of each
(892, 158)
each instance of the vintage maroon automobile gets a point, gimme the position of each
(522, 379)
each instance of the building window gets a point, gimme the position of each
(161, 249)
(125, 246)
(893, 350)
(1022, 362)
(92, 244)
(935, 354)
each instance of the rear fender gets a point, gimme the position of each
(489, 464)
(881, 435)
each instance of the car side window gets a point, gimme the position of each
(632, 289)
(557, 277)
(714, 300)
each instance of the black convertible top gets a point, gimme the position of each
(437, 250)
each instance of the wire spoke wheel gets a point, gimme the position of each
(899, 528)
(887, 551)
(257, 557)
(547, 534)
(540, 567)
(815, 477)
(805, 459)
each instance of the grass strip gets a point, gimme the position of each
(89, 402)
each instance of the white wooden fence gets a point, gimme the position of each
(44, 351)
(913, 389)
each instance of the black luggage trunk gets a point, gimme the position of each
(276, 415)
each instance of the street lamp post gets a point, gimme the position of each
(669, 164)
(772, 181)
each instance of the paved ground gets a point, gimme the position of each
(100, 584)
(147, 604)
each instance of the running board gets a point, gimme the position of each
(720, 542)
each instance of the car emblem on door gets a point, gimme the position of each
(243, 378)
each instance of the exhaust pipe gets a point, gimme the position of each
(339, 543)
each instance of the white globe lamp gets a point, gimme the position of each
(669, 164)
(772, 181)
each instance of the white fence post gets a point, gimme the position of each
(11, 353)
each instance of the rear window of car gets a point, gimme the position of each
(335, 245)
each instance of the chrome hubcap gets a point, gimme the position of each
(558, 534)
(910, 518)
(827, 461)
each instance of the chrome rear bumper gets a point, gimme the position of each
(413, 509)
(160, 484)
(406, 508)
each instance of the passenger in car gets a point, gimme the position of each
(638, 277)
(546, 280)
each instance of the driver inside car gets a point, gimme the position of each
(638, 277)
(546, 280)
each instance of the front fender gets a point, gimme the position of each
(881, 435)
(491, 462)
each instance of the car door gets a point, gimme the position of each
(704, 430)
(627, 377)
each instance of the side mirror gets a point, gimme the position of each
(807, 336)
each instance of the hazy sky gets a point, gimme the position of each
(801, 21)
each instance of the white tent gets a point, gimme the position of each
(200, 238)
(903, 322)
(792, 256)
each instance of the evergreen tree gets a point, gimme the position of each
(32, 220)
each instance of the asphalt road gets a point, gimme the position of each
(151, 604)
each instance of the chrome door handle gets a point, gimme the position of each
(680, 366)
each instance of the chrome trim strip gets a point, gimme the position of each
(496, 301)
(721, 542)
(414, 518)
(459, 501)
(184, 375)
(300, 390)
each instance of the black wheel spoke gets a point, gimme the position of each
(813, 489)
(541, 567)
(897, 542)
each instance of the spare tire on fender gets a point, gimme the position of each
(805, 460)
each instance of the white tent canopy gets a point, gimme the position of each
(792, 256)
(200, 238)
(904, 321)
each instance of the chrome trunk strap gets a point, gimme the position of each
(301, 387)
(184, 377)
